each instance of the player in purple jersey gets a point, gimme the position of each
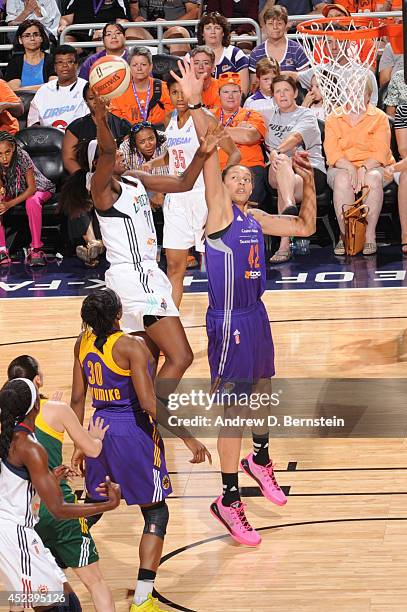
(115, 367)
(240, 346)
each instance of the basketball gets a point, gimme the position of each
(110, 76)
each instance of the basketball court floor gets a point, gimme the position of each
(339, 543)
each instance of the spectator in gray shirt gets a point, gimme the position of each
(390, 62)
(291, 127)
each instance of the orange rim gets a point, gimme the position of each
(370, 27)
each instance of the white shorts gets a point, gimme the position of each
(184, 220)
(25, 564)
(145, 292)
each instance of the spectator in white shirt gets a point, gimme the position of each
(262, 99)
(58, 102)
(45, 11)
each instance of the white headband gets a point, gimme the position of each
(33, 390)
(92, 146)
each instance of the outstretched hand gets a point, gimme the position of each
(191, 85)
(198, 450)
(101, 107)
(302, 166)
(211, 140)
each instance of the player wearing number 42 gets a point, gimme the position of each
(235, 263)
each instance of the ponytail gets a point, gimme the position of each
(15, 400)
(75, 199)
(99, 312)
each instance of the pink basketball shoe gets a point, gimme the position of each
(264, 476)
(235, 521)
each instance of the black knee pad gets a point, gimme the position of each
(74, 605)
(156, 519)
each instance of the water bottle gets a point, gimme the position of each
(299, 246)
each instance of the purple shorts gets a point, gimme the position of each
(133, 456)
(240, 347)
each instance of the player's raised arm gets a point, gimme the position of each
(168, 183)
(287, 225)
(219, 203)
(101, 183)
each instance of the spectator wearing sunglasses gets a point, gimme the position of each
(214, 32)
(247, 129)
(144, 146)
(29, 66)
(84, 129)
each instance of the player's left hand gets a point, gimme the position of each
(101, 108)
(302, 166)
(56, 396)
(191, 85)
(64, 472)
(198, 450)
(212, 138)
(78, 462)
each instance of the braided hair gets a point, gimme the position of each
(75, 199)
(99, 312)
(13, 177)
(160, 138)
(15, 400)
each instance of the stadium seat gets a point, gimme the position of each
(388, 226)
(25, 97)
(44, 145)
(163, 63)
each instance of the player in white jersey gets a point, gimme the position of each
(129, 236)
(26, 566)
(184, 213)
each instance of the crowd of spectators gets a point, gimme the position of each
(265, 95)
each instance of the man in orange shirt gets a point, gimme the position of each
(203, 61)
(246, 128)
(146, 99)
(9, 103)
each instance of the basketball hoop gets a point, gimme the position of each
(341, 51)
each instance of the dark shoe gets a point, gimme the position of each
(36, 257)
(4, 258)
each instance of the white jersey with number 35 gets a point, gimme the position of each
(182, 144)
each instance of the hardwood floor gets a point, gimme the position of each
(339, 543)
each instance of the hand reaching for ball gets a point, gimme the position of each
(101, 108)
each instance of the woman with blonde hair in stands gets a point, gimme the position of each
(357, 147)
(262, 99)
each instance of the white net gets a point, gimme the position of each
(342, 66)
